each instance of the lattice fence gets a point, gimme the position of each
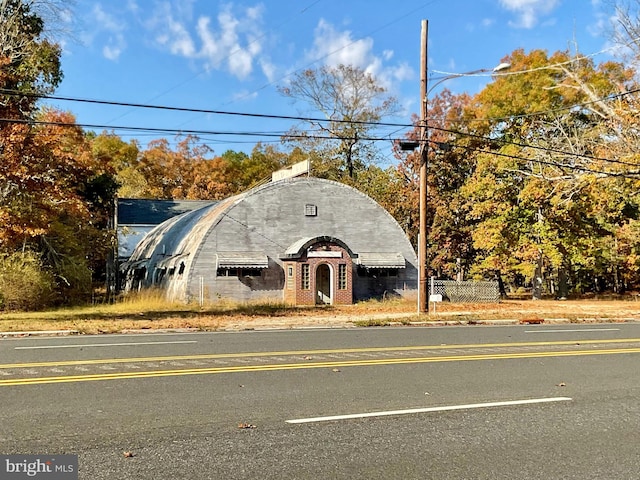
(466, 292)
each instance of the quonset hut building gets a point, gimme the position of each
(300, 240)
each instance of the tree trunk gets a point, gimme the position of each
(537, 279)
(563, 287)
(501, 289)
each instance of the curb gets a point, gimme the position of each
(39, 333)
(347, 323)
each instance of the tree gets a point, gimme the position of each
(451, 161)
(548, 180)
(29, 66)
(351, 102)
(29, 61)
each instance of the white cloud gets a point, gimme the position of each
(403, 72)
(488, 22)
(133, 6)
(335, 47)
(112, 50)
(181, 42)
(244, 95)
(231, 42)
(104, 22)
(529, 11)
(268, 69)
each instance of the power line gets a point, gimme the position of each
(200, 110)
(568, 108)
(535, 147)
(318, 137)
(628, 175)
(279, 117)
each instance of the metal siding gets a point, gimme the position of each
(271, 218)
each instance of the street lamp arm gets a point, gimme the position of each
(499, 68)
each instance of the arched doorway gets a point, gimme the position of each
(318, 271)
(324, 285)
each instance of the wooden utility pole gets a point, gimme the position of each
(423, 237)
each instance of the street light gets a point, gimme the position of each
(423, 236)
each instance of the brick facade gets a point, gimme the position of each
(323, 253)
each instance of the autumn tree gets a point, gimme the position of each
(109, 149)
(55, 199)
(451, 161)
(350, 102)
(546, 165)
(29, 66)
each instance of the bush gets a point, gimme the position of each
(24, 283)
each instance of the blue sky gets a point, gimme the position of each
(232, 56)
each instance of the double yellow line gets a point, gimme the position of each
(309, 364)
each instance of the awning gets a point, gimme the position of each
(242, 260)
(300, 248)
(134, 265)
(380, 260)
(172, 261)
(296, 248)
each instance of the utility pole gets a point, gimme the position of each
(423, 237)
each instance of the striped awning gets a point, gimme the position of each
(242, 260)
(380, 260)
(134, 265)
(173, 261)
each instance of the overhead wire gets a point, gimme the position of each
(388, 137)
(534, 147)
(326, 137)
(628, 175)
(544, 67)
(227, 57)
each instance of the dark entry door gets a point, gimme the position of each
(323, 285)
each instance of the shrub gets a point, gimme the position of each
(24, 283)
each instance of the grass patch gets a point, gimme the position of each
(150, 310)
(372, 322)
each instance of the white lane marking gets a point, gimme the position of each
(574, 330)
(431, 409)
(88, 345)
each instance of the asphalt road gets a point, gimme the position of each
(519, 402)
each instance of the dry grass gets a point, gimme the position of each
(151, 311)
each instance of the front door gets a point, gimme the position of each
(323, 285)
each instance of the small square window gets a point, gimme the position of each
(310, 210)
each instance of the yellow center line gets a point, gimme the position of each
(213, 356)
(297, 366)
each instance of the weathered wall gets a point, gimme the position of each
(271, 218)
